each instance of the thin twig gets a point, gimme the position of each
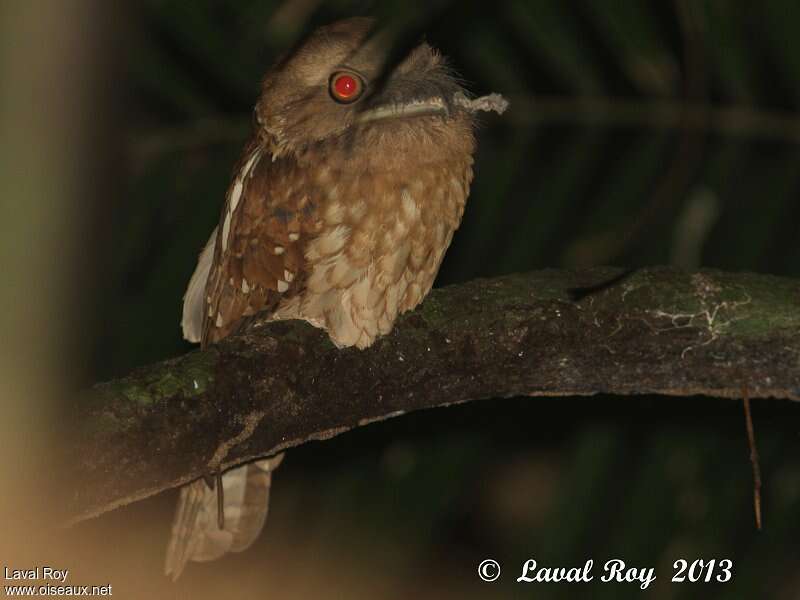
(220, 502)
(751, 441)
(199, 134)
(608, 111)
(603, 111)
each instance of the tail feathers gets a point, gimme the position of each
(195, 532)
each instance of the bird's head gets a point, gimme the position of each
(336, 86)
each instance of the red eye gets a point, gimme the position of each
(346, 87)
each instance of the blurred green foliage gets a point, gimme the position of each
(597, 140)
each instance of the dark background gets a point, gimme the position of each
(673, 121)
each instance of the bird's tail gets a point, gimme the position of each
(195, 531)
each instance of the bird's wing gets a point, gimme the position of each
(258, 254)
(252, 262)
(195, 531)
(194, 305)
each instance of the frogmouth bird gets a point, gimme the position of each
(339, 213)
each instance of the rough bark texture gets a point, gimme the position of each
(278, 385)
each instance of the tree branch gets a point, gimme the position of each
(279, 385)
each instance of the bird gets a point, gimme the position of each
(338, 213)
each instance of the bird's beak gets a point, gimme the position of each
(416, 108)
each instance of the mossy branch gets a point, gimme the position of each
(279, 385)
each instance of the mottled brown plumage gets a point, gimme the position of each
(339, 212)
